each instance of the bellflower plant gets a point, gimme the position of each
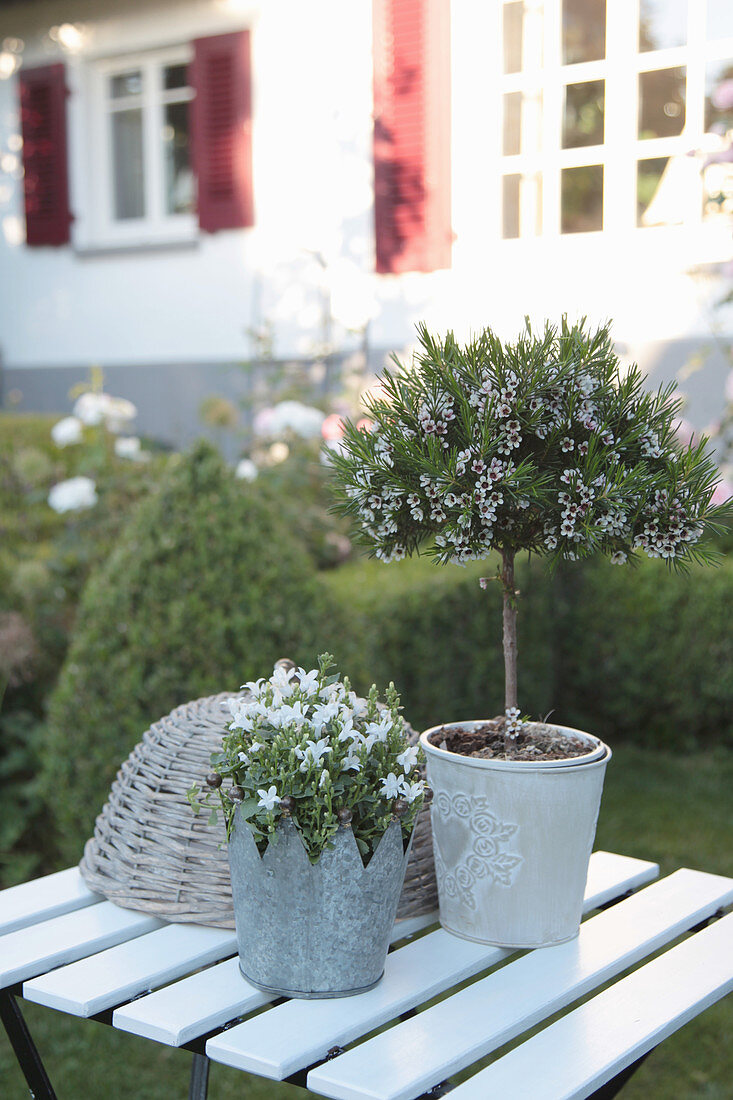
(541, 445)
(303, 743)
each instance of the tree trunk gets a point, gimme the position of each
(510, 637)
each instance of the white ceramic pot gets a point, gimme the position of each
(512, 841)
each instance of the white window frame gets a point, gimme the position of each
(622, 149)
(156, 227)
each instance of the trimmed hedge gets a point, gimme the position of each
(648, 654)
(206, 589)
(642, 654)
(438, 635)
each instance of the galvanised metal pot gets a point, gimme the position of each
(314, 930)
(512, 841)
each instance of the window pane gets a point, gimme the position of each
(582, 199)
(127, 164)
(583, 31)
(662, 103)
(718, 192)
(125, 84)
(717, 179)
(178, 175)
(661, 195)
(175, 76)
(583, 114)
(522, 35)
(510, 206)
(719, 97)
(522, 131)
(662, 24)
(521, 206)
(720, 19)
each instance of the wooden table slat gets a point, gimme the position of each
(202, 1002)
(40, 947)
(90, 985)
(587, 1048)
(411, 1057)
(192, 1007)
(44, 898)
(299, 1033)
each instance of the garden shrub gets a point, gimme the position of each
(206, 589)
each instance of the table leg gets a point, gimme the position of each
(25, 1050)
(614, 1086)
(199, 1082)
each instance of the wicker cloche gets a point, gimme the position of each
(150, 852)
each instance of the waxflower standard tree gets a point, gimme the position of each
(541, 445)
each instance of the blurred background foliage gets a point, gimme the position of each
(184, 580)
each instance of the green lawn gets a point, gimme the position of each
(671, 809)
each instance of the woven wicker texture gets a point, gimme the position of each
(150, 852)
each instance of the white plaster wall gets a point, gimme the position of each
(312, 180)
(313, 195)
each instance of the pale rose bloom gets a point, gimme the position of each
(332, 427)
(729, 382)
(246, 470)
(723, 491)
(95, 408)
(127, 446)
(73, 495)
(684, 431)
(90, 408)
(119, 414)
(67, 431)
(290, 416)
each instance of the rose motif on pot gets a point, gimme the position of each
(483, 857)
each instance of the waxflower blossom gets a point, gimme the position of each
(306, 739)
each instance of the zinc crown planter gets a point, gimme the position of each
(512, 841)
(314, 930)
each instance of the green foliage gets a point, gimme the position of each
(438, 636)
(540, 445)
(637, 655)
(303, 743)
(206, 587)
(298, 486)
(648, 656)
(45, 559)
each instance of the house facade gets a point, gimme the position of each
(189, 185)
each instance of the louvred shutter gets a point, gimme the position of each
(412, 135)
(222, 130)
(45, 182)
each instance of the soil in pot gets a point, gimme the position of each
(537, 741)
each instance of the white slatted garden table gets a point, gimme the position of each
(443, 1006)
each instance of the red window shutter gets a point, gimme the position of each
(45, 182)
(412, 135)
(222, 130)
